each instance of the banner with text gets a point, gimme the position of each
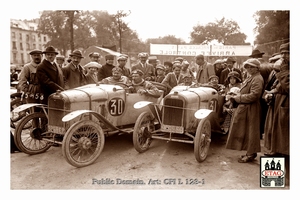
(206, 50)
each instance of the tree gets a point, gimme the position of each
(54, 24)
(226, 32)
(272, 25)
(120, 26)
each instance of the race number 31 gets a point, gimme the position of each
(116, 106)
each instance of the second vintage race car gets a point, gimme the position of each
(79, 119)
(186, 115)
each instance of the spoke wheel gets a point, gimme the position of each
(143, 128)
(30, 140)
(202, 140)
(83, 143)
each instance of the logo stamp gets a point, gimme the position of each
(272, 172)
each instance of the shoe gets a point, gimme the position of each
(247, 158)
(272, 154)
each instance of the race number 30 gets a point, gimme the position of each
(116, 106)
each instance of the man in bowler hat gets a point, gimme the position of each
(50, 76)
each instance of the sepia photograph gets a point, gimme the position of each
(178, 98)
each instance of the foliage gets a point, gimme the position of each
(226, 32)
(272, 25)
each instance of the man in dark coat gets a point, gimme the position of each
(106, 70)
(147, 69)
(224, 74)
(49, 75)
(265, 70)
(74, 73)
(122, 60)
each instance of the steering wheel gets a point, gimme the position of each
(125, 86)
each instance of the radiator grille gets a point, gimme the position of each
(57, 110)
(173, 112)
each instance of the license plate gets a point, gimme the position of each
(172, 129)
(56, 129)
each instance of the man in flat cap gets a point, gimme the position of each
(28, 81)
(74, 73)
(106, 70)
(122, 60)
(117, 78)
(205, 69)
(94, 57)
(160, 73)
(142, 86)
(147, 69)
(50, 76)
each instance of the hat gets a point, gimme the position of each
(77, 53)
(160, 67)
(50, 49)
(179, 59)
(92, 64)
(109, 57)
(200, 56)
(213, 76)
(274, 58)
(185, 62)
(176, 64)
(285, 48)
(117, 69)
(253, 62)
(35, 51)
(60, 57)
(168, 63)
(256, 54)
(235, 75)
(230, 59)
(152, 58)
(122, 57)
(139, 72)
(94, 54)
(218, 61)
(234, 90)
(143, 55)
(187, 76)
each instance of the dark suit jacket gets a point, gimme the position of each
(50, 78)
(224, 75)
(148, 70)
(73, 77)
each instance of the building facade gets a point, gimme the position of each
(24, 38)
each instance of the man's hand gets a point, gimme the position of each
(142, 91)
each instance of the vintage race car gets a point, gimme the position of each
(79, 119)
(186, 115)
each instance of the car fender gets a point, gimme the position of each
(28, 105)
(101, 118)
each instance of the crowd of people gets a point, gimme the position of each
(256, 102)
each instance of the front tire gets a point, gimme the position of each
(143, 128)
(202, 140)
(83, 143)
(30, 140)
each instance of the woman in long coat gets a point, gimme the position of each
(244, 131)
